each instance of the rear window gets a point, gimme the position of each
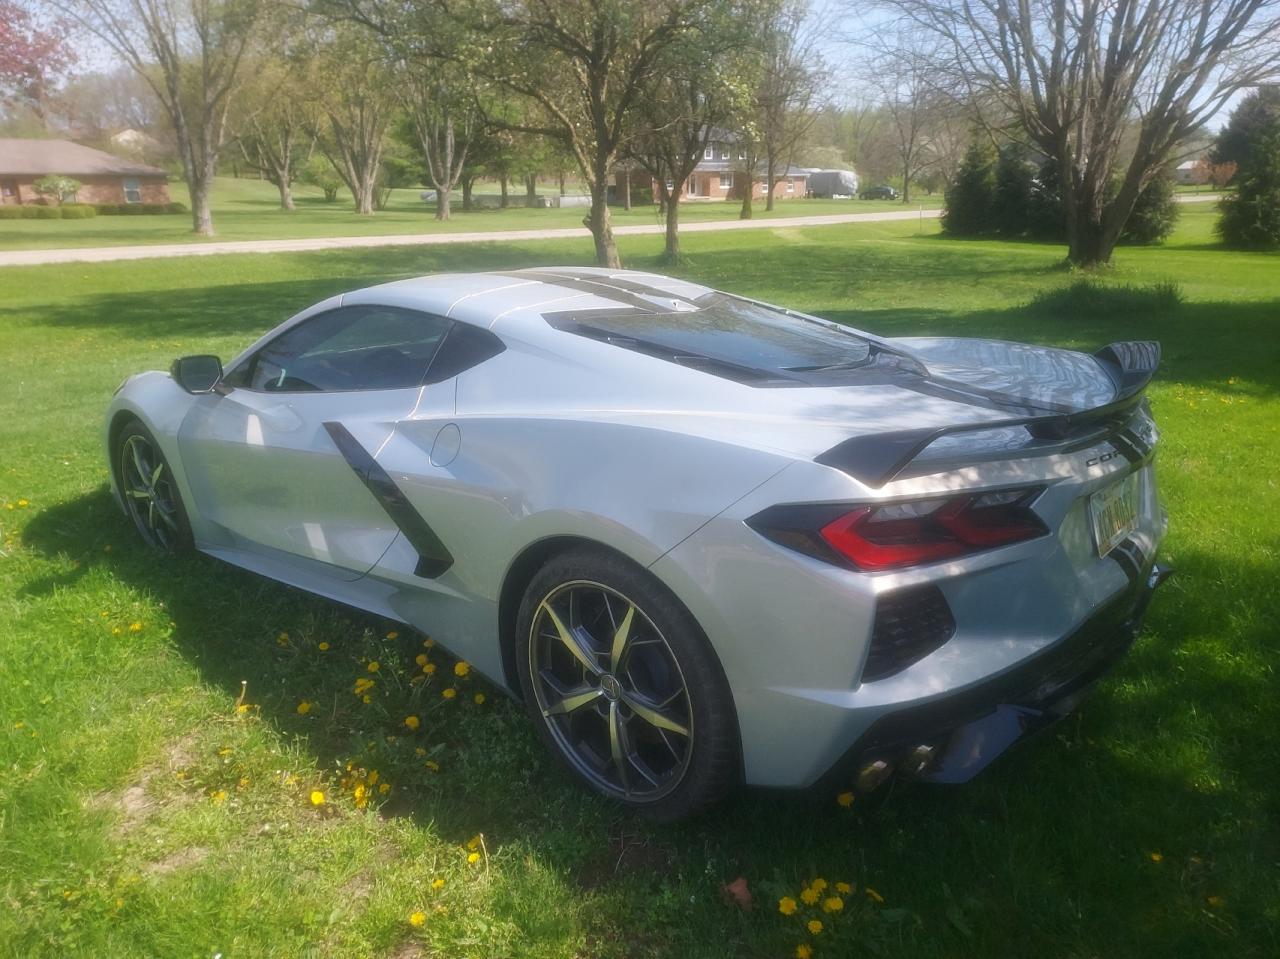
(728, 336)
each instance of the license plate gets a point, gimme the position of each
(1114, 511)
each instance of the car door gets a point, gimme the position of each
(281, 456)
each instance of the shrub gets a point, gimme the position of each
(1250, 218)
(13, 212)
(1154, 214)
(78, 211)
(969, 198)
(1011, 206)
(47, 212)
(1045, 217)
(57, 187)
(176, 207)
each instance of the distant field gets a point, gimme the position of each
(250, 210)
(142, 813)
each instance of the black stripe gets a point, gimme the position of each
(433, 557)
(619, 283)
(1130, 559)
(595, 289)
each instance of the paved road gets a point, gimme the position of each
(102, 254)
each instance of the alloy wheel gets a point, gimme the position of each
(149, 493)
(610, 690)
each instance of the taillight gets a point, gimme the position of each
(896, 535)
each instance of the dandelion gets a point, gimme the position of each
(317, 797)
(832, 904)
(433, 765)
(23, 504)
(362, 686)
(384, 788)
(421, 659)
(787, 906)
(367, 700)
(429, 668)
(809, 896)
(412, 722)
(804, 951)
(873, 895)
(449, 693)
(1157, 857)
(135, 627)
(843, 888)
(479, 699)
(818, 884)
(437, 884)
(243, 709)
(361, 796)
(418, 919)
(323, 647)
(473, 843)
(473, 857)
(219, 797)
(1216, 902)
(419, 752)
(224, 751)
(845, 799)
(461, 669)
(372, 778)
(374, 666)
(428, 642)
(304, 707)
(814, 926)
(116, 631)
(393, 635)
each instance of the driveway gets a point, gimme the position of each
(104, 254)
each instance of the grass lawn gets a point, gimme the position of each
(143, 813)
(250, 210)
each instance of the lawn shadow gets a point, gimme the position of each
(1043, 827)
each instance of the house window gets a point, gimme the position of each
(722, 152)
(726, 180)
(709, 153)
(791, 185)
(8, 188)
(742, 154)
(132, 190)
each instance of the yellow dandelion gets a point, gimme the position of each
(419, 752)
(832, 904)
(461, 669)
(843, 888)
(374, 666)
(224, 751)
(818, 884)
(428, 642)
(393, 635)
(304, 707)
(479, 699)
(809, 896)
(116, 631)
(1157, 857)
(219, 797)
(429, 668)
(384, 788)
(323, 647)
(421, 659)
(787, 906)
(437, 884)
(367, 700)
(873, 895)
(474, 843)
(1217, 902)
(135, 627)
(23, 504)
(473, 858)
(418, 919)
(804, 951)
(433, 765)
(814, 926)
(317, 797)
(845, 799)
(412, 722)
(449, 693)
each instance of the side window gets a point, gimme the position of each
(350, 348)
(132, 190)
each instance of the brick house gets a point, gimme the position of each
(718, 175)
(104, 178)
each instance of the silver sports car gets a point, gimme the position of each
(705, 540)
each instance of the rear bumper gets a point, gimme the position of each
(952, 739)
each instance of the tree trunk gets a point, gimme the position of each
(749, 183)
(562, 184)
(467, 184)
(600, 223)
(906, 182)
(443, 204)
(201, 215)
(626, 190)
(506, 200)
(364, 197)
(286, 194)
(531, 189)
(672, 252)
(769, 181)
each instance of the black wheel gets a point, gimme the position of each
(624, 687)
(150, 493)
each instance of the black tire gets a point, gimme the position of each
(149, 491)
(663, 647)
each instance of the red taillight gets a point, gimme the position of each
(926, 531)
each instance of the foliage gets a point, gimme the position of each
(1239, 137)
(1011, 201)
(1250, 217)
(65, 211)
(1155, 213)
(319, 172)
(33, 57)
(60, 188)
(971, 197)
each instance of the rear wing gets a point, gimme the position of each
(875, 459)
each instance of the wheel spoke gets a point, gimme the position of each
(621, 636)
(155, 474)
(138, 493)
(139, 464)
(166, 514)
(584, 696)
(653, 715)
(616, 747)
(570, 641)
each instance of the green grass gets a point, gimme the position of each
(141, 813)
(250, 210)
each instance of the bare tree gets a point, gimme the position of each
(190, 53)
(905, 82)
(790, 90)
(274, 125)
(442, 113)
(1076, 76)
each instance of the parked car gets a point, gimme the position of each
(879, 193)
(704, 540)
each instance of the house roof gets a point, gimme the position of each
(43, 157)
(732, 166)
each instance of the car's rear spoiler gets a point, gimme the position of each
(877, 458)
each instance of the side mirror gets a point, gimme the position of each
(197, 374)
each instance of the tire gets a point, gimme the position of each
(149, 491)
(660, 736)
